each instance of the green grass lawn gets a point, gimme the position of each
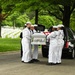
(8, 44)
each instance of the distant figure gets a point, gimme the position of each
(21, 44)
(21, 36)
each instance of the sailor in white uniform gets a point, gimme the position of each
(60, 43)
(26, 44)
(52, 47)
(35, 47)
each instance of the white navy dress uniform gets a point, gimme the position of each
(26, 45)
(52, 47)
(35, 47)
(60, 44)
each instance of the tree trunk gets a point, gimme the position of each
(13, 24)
(0, 29)
(36, 16)
(66, 16)
(0, 20)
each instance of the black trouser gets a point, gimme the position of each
(21, 49)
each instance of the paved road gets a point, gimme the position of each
(10, 64)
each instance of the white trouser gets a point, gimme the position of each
(59, 50)
(35, 52)
(26, 47)
(52, 51)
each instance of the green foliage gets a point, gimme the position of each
(9, 44)
(21, 20)
(7, 22)
(55, 7)
(72, 22)
(16, 18)
(47, 21)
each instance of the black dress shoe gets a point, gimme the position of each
(22, 61)
(58, 63)
(35, 60)
(31, 61)
(51, 63)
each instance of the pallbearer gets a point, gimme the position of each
(26, 44)
(35, 47)
(52, 46)
(60, 42)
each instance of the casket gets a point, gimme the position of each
(38, 39)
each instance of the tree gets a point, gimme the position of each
(72, 23)
(2, 17)
(62, 10)
(47, 21)
(5, 9)
(16, 19)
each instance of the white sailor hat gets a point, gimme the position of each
(35, 25)
(60, 25)
(27, 23)
(32, 25)
(54, 26)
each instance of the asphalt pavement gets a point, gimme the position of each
(10, 64)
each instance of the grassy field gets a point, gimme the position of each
(8, 44)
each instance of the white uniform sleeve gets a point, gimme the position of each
(26, 34)
(50, 35)
(61, 34)
(34, 31)
(58, 33)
